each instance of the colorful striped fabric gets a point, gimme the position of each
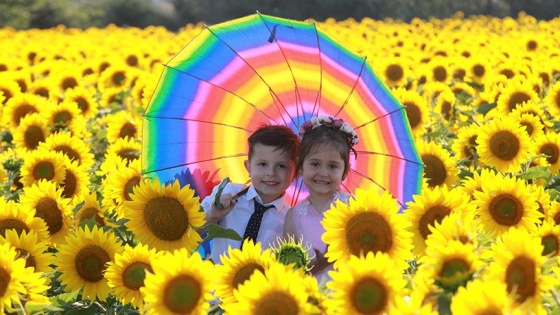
(238, 75)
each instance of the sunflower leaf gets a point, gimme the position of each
(535, 173)
(64, 298)
(216, 231)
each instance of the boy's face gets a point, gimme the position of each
(271, 171)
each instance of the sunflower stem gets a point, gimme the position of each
(555, 298)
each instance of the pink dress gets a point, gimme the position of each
(305, 221)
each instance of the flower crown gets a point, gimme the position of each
(328, 121)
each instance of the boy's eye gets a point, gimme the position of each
(261, 164)
(281, 166)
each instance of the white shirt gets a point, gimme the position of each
(272, 225)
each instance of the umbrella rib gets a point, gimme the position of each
(221, 88)
(316, 106)
(391, 156)
(275, 97)
(382, 116)
(353, 87)
(298, 97)
(199, 121)
(194, 162)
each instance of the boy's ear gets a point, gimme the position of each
(247, 165)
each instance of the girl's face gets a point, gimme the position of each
(323, 171)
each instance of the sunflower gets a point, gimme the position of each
(31, 132)
(465, 144)
(83, 260)
(451, 266)
(455, 227)
(46, 201)
(478, 68)
(279, 290)
(28, 247)
(429, 208)
(544, 200)
(366, 285)
(75, 181)
(127, 272)
(489, 297)
(118, 184)
(67, 77)
(368, 223)
(44, 88)
(291, 252)
(549, 233)
(179, 284)
(117, 75)
(549, 145)
(9, 89)
(127, 148)
(71, 146)
(517, 262)
(237, 267)
(15, 217)
(514, 94)
(164, 216)
(532, 123)
(91, 209)
(19, 106)
(62, 114)
(503, 144)
(439, 168)
(505, 203)
(416, 110)
(431, 90)
(114, 97)
(395, 71)
(12, 276)
(39, 164)
(535, 110)
(445, 105)
(84, 98)
(142, 88)
(122, 124)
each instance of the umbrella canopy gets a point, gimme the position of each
(238, 75)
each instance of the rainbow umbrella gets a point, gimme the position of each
(238, 75)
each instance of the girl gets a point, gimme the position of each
(323, 163)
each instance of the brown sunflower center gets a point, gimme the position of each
(453, 267)
(368, 232)
(440, 74)
(129, 154)
(517, 98)
(446, 110)
(244, 273)
(118, 78)
(506, 209)
(89, 213)
(552, 152)
(128, 130)
(520, 278)
(504, 145)
(132, 60)
(70, 185)
(91, 262)
(41, 91)
(62, 117)
(47, 209)
(278, 303)
(22, 111)
(69, 83)
(557, 100)
(5, 278)
(43, 170)
(394, 73)
(12, 224)
(532, 45)
(182, 294)
(434, 170)
(551, 245)
(413, 113)
(33, 136)
(68, 151)
(369, 296)
(83, 104)
(508, 73)
(528, 127)
(128, 187)
(133, 276)
(166, 218)
(432, 215)
(29, 259)
(479, 70)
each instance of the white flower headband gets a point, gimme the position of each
(330, 122)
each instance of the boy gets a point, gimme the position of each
(271, 165)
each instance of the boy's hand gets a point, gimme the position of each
(222, 208)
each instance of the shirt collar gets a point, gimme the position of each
(278, 203)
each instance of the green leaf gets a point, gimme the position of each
(216, 231)
(34, 308)
(485, 108)
(535, 172)
(64, 298)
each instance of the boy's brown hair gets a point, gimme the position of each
(281, 137)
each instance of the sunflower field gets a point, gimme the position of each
(82, 232)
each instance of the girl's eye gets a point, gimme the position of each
(314, 163)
